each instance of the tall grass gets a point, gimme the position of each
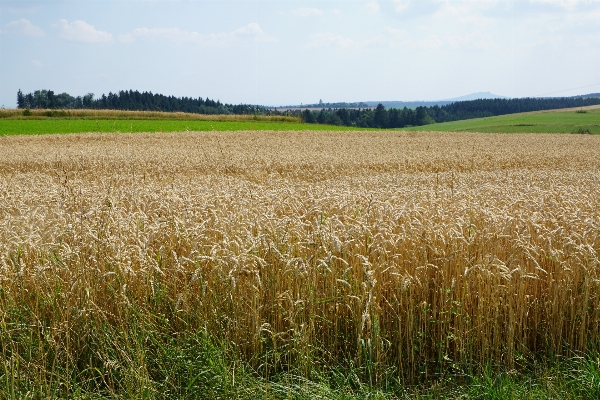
(395, 257)
(122, 114)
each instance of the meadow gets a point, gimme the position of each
(586, 119)
(37, 122)
(14, 122)
(300, 264)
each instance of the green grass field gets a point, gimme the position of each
(44, 126)
(552, 121)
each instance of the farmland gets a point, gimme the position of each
(24, 127)
(552, 121)
(225, 264)
(13, 122)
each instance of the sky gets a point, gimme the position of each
(299, 52)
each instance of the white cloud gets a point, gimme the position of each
(570, 4)
(401, 5)
(397, 38)
(394, 31)
(252, 31)
(23, 27)
(37, 63)
(470, 13)
(20, 10)
(307, 12)
(372, 7)
(81, 31)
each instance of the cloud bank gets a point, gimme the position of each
(250, 32)
(23, 27)
(82, 32)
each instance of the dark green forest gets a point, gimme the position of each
(379, 117)
(133, 101)
(492, 107)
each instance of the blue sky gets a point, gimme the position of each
(291, 52)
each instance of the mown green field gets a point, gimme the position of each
(552, 121)
(52, 125)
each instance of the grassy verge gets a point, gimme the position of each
(553, 121)
(155, 357)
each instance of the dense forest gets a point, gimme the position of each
(379, 117)
(369, 118)
(134, 101)
(490, 107)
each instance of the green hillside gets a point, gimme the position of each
(553, 121)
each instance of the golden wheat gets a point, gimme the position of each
(40, 113)
(390, 249)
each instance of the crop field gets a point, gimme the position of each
(191, 264)
(586, 119)
(13, 122)
(38, 127)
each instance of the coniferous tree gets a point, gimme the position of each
(20, 99)
(422, 118)
(380, 117)
(51, 99)
(344, 116)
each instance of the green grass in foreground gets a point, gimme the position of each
(56, 125)
(150, 361)
(552, 121)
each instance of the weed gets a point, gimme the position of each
(582, 131)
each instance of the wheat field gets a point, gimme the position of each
(409, 252)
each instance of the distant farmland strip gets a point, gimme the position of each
(57, 125)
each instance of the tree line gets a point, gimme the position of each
(491, 107)
(379, 117)
(133, 101)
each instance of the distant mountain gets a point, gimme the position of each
(414, 104)
(408, 104)
(321, 105)
(587, 96)
(476, 96)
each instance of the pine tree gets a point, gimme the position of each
(20, 99)
(380, 118)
